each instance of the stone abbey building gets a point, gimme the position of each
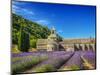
(52, 44)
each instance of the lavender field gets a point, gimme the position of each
(33, 62)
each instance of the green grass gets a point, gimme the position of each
(45, 68)
(75, 67)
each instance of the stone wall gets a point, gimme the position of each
(67, 45)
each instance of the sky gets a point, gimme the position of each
(70, 21)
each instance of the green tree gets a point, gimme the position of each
(24, 40)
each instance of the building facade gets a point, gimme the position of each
(52, 44)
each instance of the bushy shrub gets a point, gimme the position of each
(33, 43)
(15, 49)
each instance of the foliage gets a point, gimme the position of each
(33, 43)
(35, 30)
(24, 41)
(15, 49)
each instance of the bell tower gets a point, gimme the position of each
(52, 43)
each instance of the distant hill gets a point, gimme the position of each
(35, 30)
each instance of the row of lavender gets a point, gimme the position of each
(51, 61)
(23, 61)
(81, 60)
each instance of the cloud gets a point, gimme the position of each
(17, 9)
(44, 22)
(60, 31)
(18, 3)
(28, 11)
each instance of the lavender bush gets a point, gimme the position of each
(89, 60)
(52, 64)
(52, 61)
(74, 63)
(25, 63)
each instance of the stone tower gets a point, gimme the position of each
(52, 41)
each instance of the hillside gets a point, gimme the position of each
(35, 30)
